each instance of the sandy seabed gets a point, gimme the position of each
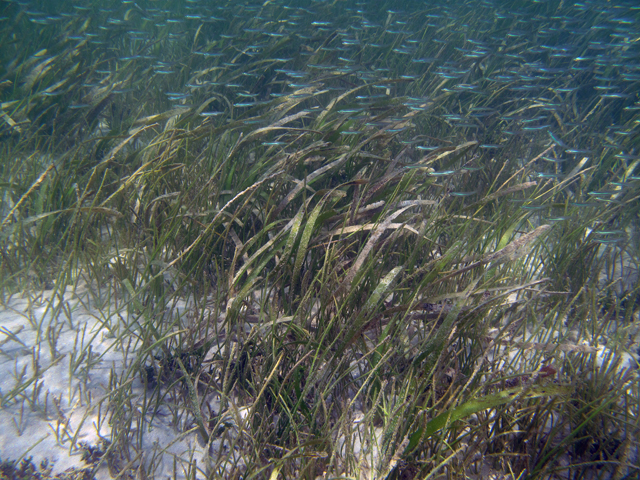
(58, 361)
(55, 378)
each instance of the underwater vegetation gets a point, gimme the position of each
(324, 239)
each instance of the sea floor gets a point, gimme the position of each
(57, 370)
(59, 362)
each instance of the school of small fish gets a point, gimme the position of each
(513, 78)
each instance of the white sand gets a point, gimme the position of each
(31, 425)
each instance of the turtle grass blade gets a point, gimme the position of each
(363, 319)
(33, 187)
(195, 403)
(371, 243)
(476, 405)
(435, 346)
